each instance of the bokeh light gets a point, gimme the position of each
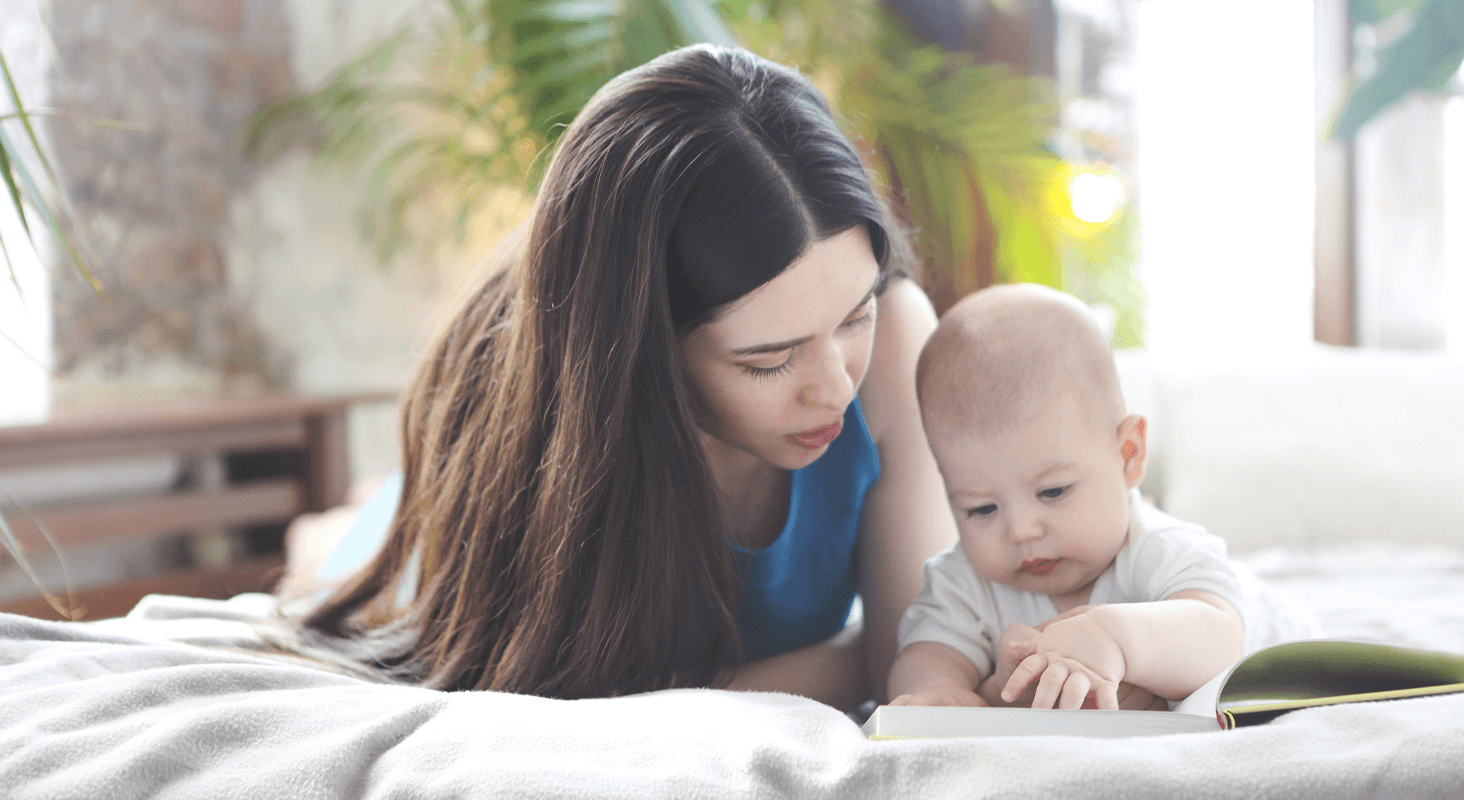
(1095, 198)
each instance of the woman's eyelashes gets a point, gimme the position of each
(768, 373)
(865, 317)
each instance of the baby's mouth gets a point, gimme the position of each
(1040, 567)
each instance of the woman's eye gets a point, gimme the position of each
(865, 318)
(768, 373)
(982, 511)
(1054, 493)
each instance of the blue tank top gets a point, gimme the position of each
(799, 588)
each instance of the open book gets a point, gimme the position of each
(1260, 687)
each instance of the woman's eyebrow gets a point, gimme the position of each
(771, 347)
(778, 347)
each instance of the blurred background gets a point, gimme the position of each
(233, 224)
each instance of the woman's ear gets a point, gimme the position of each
(1132, 438)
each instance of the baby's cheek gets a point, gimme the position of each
(986, 558)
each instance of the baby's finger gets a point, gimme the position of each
(1026, 672)
(1075, 690)
(1017, 645)
(1107, 695)
(1048, 689)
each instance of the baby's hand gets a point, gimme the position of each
(940, 697)
(1075, 657)
(1017, 642)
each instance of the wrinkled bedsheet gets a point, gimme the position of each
(136, 708)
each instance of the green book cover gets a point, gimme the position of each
(1272, 681)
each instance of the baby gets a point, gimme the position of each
(1058, 557)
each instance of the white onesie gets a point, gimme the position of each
(1161, 556)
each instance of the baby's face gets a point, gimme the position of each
(1042, 506)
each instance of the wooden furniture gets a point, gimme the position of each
(283, 456)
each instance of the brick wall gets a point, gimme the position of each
(153, 202)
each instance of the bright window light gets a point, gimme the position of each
(1226, 174)
(25, 326)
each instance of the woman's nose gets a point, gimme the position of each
(830, 381)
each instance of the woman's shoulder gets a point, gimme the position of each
(905, 320)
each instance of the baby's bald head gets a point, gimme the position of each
(1003, 350)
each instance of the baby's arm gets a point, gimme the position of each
(933, 674)
(1170, 647)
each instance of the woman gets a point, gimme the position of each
(669, 441)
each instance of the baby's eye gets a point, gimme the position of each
(1054, 493)
(982, 511)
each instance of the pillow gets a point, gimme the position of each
(1339, 445)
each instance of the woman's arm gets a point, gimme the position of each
(907, 518)
(831, 671)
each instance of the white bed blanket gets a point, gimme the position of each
(87, 715)
(126, 709)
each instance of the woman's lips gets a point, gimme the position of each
(818, 437)
(1040, 567)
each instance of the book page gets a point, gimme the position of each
(1202, 702)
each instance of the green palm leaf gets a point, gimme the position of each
(962, 140)
(22, 187)
(1426, 57)
(9, 543)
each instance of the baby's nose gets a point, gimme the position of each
(1027, 528)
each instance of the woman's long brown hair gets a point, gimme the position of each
(558, 515)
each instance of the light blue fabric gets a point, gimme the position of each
(799, 589)
(367, 532)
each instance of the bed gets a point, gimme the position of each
(1336, 476)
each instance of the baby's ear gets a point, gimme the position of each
(1132, 444)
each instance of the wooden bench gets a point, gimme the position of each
(286, 456)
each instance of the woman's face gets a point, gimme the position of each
(773, 375)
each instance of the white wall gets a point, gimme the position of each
(325, 34)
